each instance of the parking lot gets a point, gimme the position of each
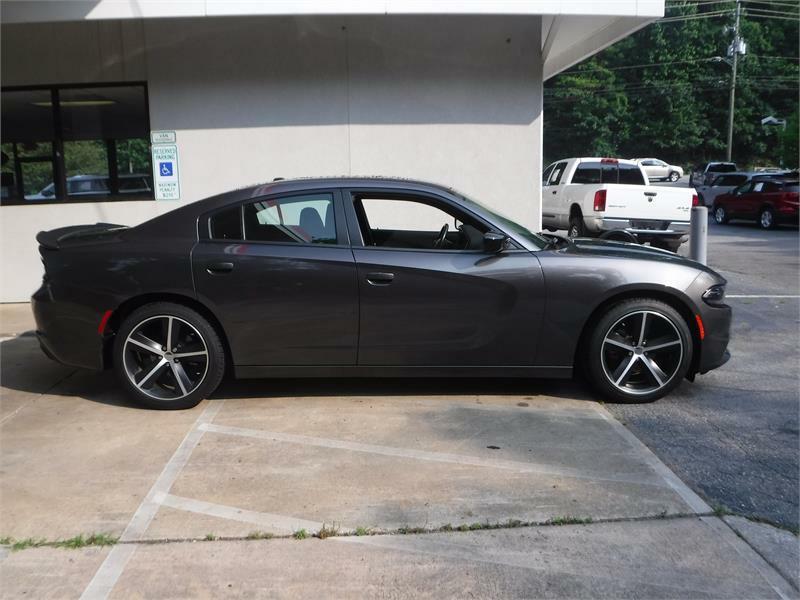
(426, 488)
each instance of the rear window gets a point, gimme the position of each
(722, 168)
(596, 172)
(730, 180)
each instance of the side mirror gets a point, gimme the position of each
(494, 242)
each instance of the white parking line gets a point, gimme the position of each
(109, 572)
(762, 295)
(695, 502)
(274, 523)
(459, 459)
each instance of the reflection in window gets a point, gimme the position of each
(80, 144)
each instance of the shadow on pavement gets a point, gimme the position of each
(26, 369)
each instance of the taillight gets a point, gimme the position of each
(695, 200)
(609, 161)
(600, 200)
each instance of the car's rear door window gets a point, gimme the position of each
(306, 219)
(226, 224)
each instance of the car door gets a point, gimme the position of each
(553, 198)
(737, 203)
(279, 274)
(660, 169)
(451, 304)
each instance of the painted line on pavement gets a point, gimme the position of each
(109, 572)
(762, 295)
(743, 549)
(395, 452)
(281, 523)
(695, 502)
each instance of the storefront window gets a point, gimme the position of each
(75, 144)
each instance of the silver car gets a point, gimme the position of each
(657, 169)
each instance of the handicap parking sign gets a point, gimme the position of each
(165, 169)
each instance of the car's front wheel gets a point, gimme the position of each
(674, 176)
(168, 356)
(639, 351)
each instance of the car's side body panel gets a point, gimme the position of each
(88, 280)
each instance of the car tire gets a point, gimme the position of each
(160, 377)
(720, 215)
(674, 176)
(576, 226)
(623, 369)
(766, 218)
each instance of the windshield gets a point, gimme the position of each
(507, 224)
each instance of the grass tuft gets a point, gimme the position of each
(300, 534)
(259, 535)
(327, 532)
(568, 520)
(363, 530)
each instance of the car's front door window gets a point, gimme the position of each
(416, 224)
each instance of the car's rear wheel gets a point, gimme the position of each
(168, 356)
(766, 218)
(576, 226)
(639, 351)
(720, 215)
(673, 176)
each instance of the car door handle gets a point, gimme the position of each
(217, 268)
(651, 193)
(380, 278)
(554, 192)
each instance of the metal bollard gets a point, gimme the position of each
(698, 234)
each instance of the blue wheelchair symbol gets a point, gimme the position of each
(165, 168)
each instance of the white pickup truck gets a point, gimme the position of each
(613, 198)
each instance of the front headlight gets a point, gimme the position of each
(715, 295)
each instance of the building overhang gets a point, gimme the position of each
(571, 29)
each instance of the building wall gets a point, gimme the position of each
(454, 100)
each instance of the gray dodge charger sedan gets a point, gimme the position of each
(369, 277)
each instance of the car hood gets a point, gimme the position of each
(611, 249)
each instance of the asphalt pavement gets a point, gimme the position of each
(732, 436)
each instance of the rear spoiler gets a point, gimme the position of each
(56, 238)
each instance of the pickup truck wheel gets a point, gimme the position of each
(673, 176)
(576, 227)
(720, 215)
(766, 218)
(639, 351)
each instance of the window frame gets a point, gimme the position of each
(342, 239)
(57, 157)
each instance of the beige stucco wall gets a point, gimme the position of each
(455, 100)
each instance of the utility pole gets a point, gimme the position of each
(736, 46)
